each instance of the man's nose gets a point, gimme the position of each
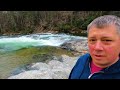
(98, 45)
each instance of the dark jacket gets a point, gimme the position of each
(81, 70)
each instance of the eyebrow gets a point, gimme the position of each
(106, 37)
(101, 37)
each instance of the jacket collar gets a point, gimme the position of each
(114, 68)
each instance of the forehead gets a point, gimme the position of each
(108, 31)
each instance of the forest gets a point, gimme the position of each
(28, 22)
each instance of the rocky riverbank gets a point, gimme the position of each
(57, 68)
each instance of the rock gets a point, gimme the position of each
(78, 45)
(52, 70)
(69, 61)
(33, 74)
(39, 66)
(43, 57)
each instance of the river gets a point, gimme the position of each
(20, 50)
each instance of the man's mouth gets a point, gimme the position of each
(98, 56)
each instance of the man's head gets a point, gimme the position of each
(104, 40)
(104, 21)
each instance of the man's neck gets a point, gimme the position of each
(94, 68)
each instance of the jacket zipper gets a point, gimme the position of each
(93, 73)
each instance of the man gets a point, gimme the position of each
(102, 61)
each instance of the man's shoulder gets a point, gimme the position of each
(86, 55)
(83, 58)
(79, 66)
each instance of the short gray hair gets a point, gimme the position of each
(104, 21)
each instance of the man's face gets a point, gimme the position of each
(104, 45)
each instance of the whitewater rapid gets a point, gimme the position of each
(46, 39)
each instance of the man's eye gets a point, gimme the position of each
(92, 40)
(107, 40)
